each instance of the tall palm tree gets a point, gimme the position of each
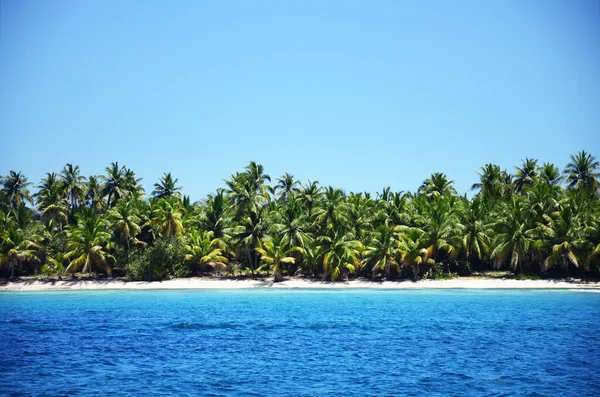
(286, 186)
(15, 187)
(332, 214)
(72, 184)
(124, 221)
(309, 195)
(550, 174)
(114, 184)
(562, 234)
(215, 217)
(15, 248)
(493, 182)
(50, 201)
(166, 217)
(248, 233)
(167, 187)
(437, 185)
(87, 247)
(273, 254)
(203, 250)
(474, 235)
(515, 239)
(411, 250)
(340, 255)
(94, 192)
(582, 172)
(526, 175)
(382, 252)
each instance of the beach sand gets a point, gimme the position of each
(206, 283)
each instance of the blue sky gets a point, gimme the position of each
(355, 94)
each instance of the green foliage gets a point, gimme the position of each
(166, 258)
(526, 222)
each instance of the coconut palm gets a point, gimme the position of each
(309, 195)
(582, 172)
(332, 215)
(360, 214)
(72, 185)
(493, 182)
(93, 192)
(166, 217)
(474, 235)
(15, 248)
(382, 252)
(286, 186)
(411, 250)
(124, 221)
(167, 187)
(515, 239)
(550, 174)
(15, 188)
(203, 250)
(87, 247)
(273, 254)
(51, 203)
(114, 184)
(340, 254)
(437, 185)
(562, 235)
(526, 175)
(248, 233)
(214, 216)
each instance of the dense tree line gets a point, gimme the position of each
(536, 220)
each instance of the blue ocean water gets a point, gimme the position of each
(300, 342)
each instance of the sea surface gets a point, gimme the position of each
(300, 342)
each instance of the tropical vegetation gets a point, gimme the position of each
(536, 221)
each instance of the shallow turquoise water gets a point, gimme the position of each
(300, 342)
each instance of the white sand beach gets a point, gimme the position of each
(207, 283)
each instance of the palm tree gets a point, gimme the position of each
(411, 250)
(437, 185)
(15, 248)
(340, 255)
(514, 240)
(124, 221)
(166, 187)
(382, 251)
(332, 214)
(166, 217)
(252, 228)
(50, 201)
(526, 175)
(286, 186)
(492, 181)
(203, 250)
(292, 226)
(473, 237)
(273, 254)
(309, 196)
(582, 172)
(87, 246)
(72, 184)
(214, 216)
(114, 184)
(563, 235)
(14, 186)
(550, 174)
(94, 193)
(360, 214)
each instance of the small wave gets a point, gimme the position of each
(188, 325)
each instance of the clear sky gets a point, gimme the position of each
(355, 94)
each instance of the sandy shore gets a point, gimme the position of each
(203, 283)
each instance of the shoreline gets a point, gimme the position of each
(294, 283)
